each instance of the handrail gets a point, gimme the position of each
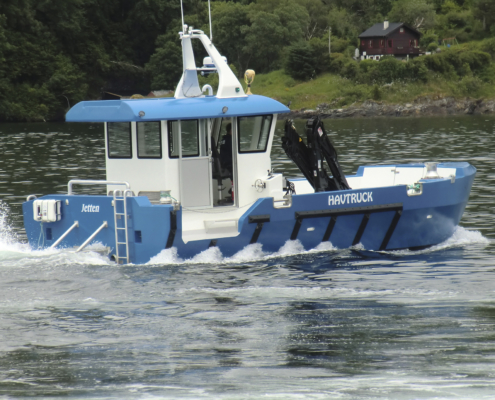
(93, 182)
(104, 225)
(74, 225)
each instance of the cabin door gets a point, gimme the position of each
(194, 164)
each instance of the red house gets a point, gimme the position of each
(389, 39)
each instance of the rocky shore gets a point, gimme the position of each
(421, 107)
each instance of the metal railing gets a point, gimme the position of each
(93, 182)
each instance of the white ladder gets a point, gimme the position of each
(119, 196)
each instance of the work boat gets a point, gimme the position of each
(166, 188)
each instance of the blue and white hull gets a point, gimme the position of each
(378, 218)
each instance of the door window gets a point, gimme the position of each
(189, 137)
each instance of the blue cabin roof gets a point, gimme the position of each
(172, 109)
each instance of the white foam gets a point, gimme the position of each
(250, 253)
(167, 256)
(254, 252)
(324, 246)
(213, 255)
(9, 242)
(460, 238)
(290, 247)
(463, 236)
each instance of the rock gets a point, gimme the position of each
(422, 106)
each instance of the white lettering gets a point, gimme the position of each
(333, 200)
(90, 208)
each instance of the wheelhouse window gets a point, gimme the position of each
(149, 139)
(119, 140)
(253, 133)
(189, 138)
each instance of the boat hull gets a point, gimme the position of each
(378, 218)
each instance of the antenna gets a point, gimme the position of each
(182, 14)
(209, 13)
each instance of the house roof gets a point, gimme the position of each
(377, 29)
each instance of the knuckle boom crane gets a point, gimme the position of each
(309, 158)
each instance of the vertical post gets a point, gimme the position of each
(180, 159)
(209, 12)
(182, 15)
(329, 35)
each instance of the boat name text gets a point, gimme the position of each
(350, 198)
(90, 208)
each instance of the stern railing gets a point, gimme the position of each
(93, 182)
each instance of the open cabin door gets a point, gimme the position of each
(193, 151)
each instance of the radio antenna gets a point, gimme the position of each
(182, 15)
(209, 13)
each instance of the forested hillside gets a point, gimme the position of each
(54, 53)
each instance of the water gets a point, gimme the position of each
(296, 324)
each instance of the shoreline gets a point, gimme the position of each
(421, 107)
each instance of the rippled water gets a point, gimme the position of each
(326, 323)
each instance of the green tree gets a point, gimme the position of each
(427, 38)
(165, 65)
(317, 22)
(270, 32)
(484, 10)
(362, 13)
(319, 47)
(229, 21)
(264, 40)
(416, 13)
(301, 61)
(343, 24)
(3, 65)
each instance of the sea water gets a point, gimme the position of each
(293, 324)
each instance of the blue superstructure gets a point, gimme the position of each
(172, 109)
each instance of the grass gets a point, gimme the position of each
(340, 92)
